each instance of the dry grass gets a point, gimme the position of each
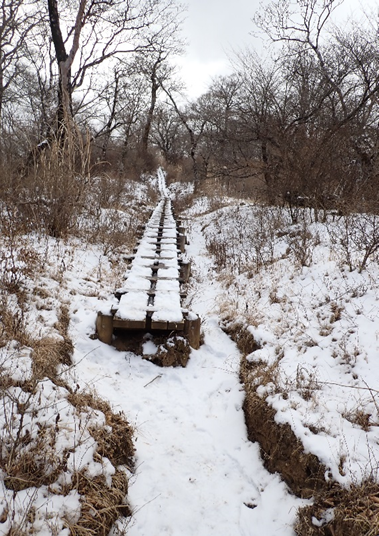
(355, 512)
(31, 459)
(12, 322)
(117, 444)
(244, 339)
(101, 504)
(31, 456)
(359, 417)
(49, 352)
(32, 462)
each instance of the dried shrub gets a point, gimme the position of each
(301, 245)
(219, 252)
(16, 264)
(66, 347)
(13, 325)
(243, 240)
(55, 184)
(359, 417)
(336, 312)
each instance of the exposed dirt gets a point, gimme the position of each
(172, 351)
(281, 450)
(244, 340)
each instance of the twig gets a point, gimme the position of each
(153, 380)
(350, 386)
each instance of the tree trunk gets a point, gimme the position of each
(65, 61)
(150, 114)
(271, 194)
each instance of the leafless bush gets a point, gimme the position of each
(357, 236)
(301, 243)
(53, 191)
(244, 240)
(16, 263)
(219, 251)
(108, 190)
(183, 201)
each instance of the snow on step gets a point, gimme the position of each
(168, 285)
(168, 273)
(167, 307)
(132, 306)
(157, 256)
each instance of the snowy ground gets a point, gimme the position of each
(196, 472)
(317, 323)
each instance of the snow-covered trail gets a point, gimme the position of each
(197, 473)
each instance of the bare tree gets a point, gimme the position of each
(97, 31)
(167, 134)
(117, 109)
(194, 124)
(333, 82)
(17, 19)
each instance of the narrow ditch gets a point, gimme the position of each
(335, 511)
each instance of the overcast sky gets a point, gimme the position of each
(214, 28)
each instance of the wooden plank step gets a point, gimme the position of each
(120, 323)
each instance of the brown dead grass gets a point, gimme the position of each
(356, 512)
(32, 462)
(48, 353)
(29, 462)
(244, 340)
(116, 445)
(12, 323)
(102, 505)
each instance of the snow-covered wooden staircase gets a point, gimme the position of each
(150, 299)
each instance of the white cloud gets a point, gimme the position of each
(197, 74)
